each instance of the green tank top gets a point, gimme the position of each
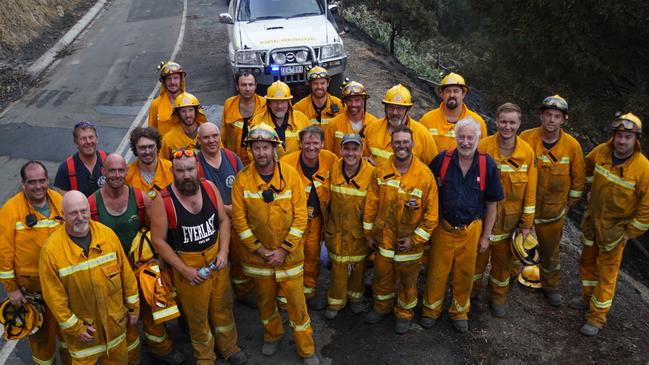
(125, 225)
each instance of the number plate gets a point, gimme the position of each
(291, 70)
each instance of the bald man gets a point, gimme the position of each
(89, 286)
(220, 166)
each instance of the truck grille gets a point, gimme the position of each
(291, 78)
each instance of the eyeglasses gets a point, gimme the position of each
(179, 153)
(319, 75)
(625, 124)
(84, 124)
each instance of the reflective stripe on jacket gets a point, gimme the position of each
(443, 131)
(378, 141)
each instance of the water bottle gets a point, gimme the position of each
(204, 272)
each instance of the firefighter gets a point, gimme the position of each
(184, 135)
(400, 213)
(238, 110)
(319, 106)
(26, 220)
(618, 210)
(352, 121)
(269, 214)
(190, 230)
(517, 164)
(441, 121)
(313, 165)
(397, 103)
(82, 171)
(343, 234)
(89, 286)
(280, 114)
(469, 192)
(560, 185)
(149, 172)
(125, 210)
(172, 84)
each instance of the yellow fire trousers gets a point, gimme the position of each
(312, 240)
(241, 283)
(116, 356)
(346, 284)
(298, 316)
(501, 260)
(452, 252)
(208, 309)
(549, 235)
(599, 271)
(386, 275)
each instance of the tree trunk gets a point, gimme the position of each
(393, 36)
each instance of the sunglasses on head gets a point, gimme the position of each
(83, 124)
(318, 75)
(189, 153)
(625, 124)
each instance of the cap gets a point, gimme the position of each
(352, 137)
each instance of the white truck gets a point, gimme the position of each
(281, 39)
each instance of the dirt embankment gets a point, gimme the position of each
(27, 29)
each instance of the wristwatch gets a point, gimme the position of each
(490, 237)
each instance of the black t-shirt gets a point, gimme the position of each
(193, 232)
(83, 242)
(281, 129)
(87, 183)
(244, 131)
(548, 145)
(619, 161)
(313, 202)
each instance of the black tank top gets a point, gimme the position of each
(193, 232)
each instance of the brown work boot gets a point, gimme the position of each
(578, 304)
(238, 358)
(553, 297)
(174, 357)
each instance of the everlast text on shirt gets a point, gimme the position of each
(199, 234)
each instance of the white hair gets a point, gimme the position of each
(468, 122)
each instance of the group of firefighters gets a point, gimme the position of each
(206, 215)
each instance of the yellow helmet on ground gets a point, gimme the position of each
(627, 122)
(453, 79)
(555, 102)
(19, 322)
(398, 95)
(264, 133)
(278, 91)
(317, 72)
(526, 249)
(170, 67)
(352, 88)
(186, 99)
(530, 277)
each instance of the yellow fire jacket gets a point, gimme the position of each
(306, 107)
(163, 177)
(296, 122)
(340, 125)
(560, 175)
(399, 206)
(20, 245)
(175, 139)
(343, 233)
(161, 109)
(95, 290)
(518, 177)
(232, 122)
(443, 131)
(619, 200)
(378, 138)
(280, 223)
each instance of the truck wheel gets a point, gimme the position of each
(336, 84)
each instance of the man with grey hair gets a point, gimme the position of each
(468, 186)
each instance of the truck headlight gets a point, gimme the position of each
(331, 51)
(301, 56)
(248, 58)
(279, 58)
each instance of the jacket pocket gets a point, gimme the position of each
(113, 278)
(517, 185)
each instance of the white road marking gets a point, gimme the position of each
(8, 348)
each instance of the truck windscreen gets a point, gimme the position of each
(252, 10)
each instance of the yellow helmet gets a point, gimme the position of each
(278, 91)
(352, 88)
(19, 322)
(526, 249)
(262, 132)
(628, 122)
(398, 95)
(453, 79)
(555, 102)
(317, 72)
(530, 277)
(186, 99)
(168, 68)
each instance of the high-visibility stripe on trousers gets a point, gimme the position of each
(241, 284)
(205, 305)
(500, 254)
(293, 289)
(599, 270)
(133, 344)
(451, 252)
(384, 286)
(312, 240)
(346, 284)
(549, 236)
(155, 335)
(117, 356)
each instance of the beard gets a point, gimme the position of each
(187, 187)
(81, 227)
(451, 103)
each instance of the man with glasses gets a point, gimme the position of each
(172, 84)
(319, 106)
(26, 221)
(184, 135)
(149, 173)
(618, 210)
(82, 171)
(270, 215)
(190, 230)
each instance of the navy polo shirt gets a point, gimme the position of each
(459, 196)
(88, 183)
(223, 177)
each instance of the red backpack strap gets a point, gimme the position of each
(169, 208)
(210, 192)
(92, 202)
(445, 163)
(233, 161)
(72, 173)
(139, 200)
(102, 155)
(482, 162)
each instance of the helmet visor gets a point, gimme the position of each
(625, 125)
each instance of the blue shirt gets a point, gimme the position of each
(459, 196)
(87, 183)
(223, 177)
